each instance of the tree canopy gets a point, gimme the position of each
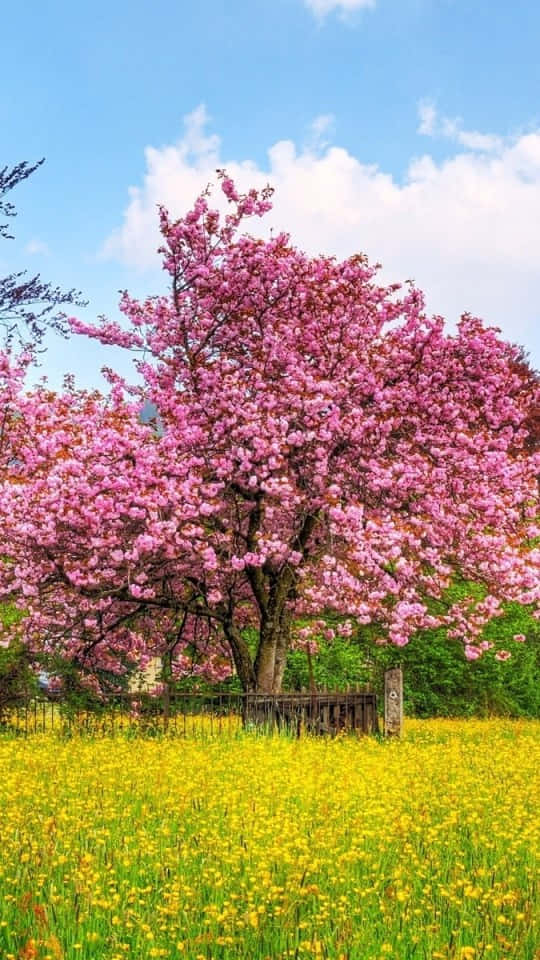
(320, 445)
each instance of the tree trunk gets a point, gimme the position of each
(272, 653)
(241, 656)
(266, 657)
(265, 675)
(282, 649)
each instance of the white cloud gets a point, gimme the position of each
(432, 125)
(464, 228)
(323, 7)
(428, 118)
(36, 246)
(320, 130)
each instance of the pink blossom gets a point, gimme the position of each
(323, 448)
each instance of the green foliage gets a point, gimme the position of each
(19, 674)
(438, 680)
(336, 666)
(16, 677)
(81, 690)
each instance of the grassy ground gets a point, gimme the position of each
(247, 847)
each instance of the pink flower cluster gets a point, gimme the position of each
(320, 444)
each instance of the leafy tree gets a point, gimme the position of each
(28, 305)
(338, 665)
(438, 680)
(17, 679)
(324, 447)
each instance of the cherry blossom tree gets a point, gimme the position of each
(320, 445)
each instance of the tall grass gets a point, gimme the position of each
(254, 848)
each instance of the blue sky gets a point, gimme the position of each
(409, 129)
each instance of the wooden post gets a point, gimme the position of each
(393, 702)
(166, 705)
(166, 674)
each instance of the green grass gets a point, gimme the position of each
(252, 847)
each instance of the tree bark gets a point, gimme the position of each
(272, 593)
(274, 644)
(271, 656)
(266, 656)
(282, 648)
(265, 675)
(241, 656)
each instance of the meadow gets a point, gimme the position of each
(268, 847)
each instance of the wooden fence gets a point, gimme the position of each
(200, 714)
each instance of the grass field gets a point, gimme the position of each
(253, 847)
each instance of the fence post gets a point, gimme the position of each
(166, 705)
(393, 702)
